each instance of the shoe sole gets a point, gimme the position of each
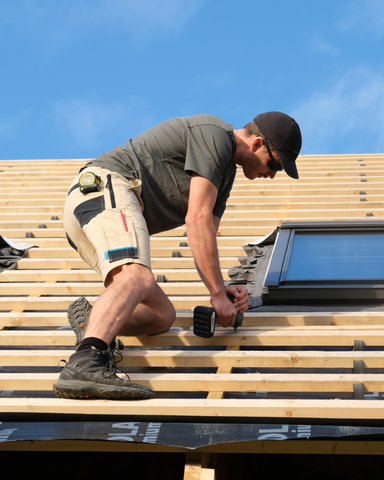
(81, 390)
(77, 314)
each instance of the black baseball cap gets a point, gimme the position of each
(284, 134)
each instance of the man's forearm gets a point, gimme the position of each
(199, 272)
(202, 240)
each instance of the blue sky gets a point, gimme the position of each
(79, 77)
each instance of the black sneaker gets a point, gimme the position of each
(90, 373)
(78, 313)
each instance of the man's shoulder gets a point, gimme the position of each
(204, 119)
(180, 126)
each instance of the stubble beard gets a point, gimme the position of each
(251, 164)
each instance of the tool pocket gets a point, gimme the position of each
(121, 240)
(87, 210)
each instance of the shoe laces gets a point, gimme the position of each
(110, 368)
(114, 352)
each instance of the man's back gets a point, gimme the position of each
(164, 158)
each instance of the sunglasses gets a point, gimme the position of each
(272, 165)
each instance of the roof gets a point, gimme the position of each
(282, 365)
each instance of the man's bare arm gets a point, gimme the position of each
(201, 230)
(241, 300)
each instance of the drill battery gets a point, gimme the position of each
(204, 319)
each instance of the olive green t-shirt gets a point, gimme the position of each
(164, 159)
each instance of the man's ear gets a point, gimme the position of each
(257, 143)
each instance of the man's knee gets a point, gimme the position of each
(139, 277)
(168, 317)
(135, 275)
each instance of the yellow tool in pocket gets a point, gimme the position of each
(89, 182)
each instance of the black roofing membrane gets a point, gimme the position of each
(182, 435)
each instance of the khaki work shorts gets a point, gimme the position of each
(107, 227)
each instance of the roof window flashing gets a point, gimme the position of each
(326, 262)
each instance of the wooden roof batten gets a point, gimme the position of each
(272, 367)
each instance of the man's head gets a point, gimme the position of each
(281, 134)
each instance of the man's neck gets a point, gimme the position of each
(243, 142)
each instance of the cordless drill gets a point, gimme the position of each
(204, 319)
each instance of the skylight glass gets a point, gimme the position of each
(336, 257)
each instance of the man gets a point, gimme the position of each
(180, 171)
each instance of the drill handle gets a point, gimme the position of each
(239, 316)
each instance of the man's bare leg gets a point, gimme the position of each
(132, 304)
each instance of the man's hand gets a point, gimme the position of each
(241, 301)
(226, 311)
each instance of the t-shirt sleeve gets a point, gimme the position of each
(209, 152)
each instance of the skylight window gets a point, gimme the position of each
(326, 261)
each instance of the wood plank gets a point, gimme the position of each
(36, 232)
(178, 337)
(16, 186)
(85, 275)
(307, 192)
(312, 175)
(271, 218)
(247, 210)
(193, 468)
(250, 382)
(263, 320)
(69, 263)
(226, 359)
(255, 195)
(312, 179)
(36, 202)
(300, 198)
(247, 232)
(179, 274)
(62, 303)
(207, 474)
(30, 212)
(223, 369)
(334, 187)
(264, 338)
(32, 224)
(29, 209)
(11, 192)
(326, 409)
(228, 226)
(170, 242)
(307, 172)
(250, 322)
(63, 252)
(94, 288)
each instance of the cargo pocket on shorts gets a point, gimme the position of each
(124, 245)
(88, 210)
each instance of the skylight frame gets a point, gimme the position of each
(278, 290)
